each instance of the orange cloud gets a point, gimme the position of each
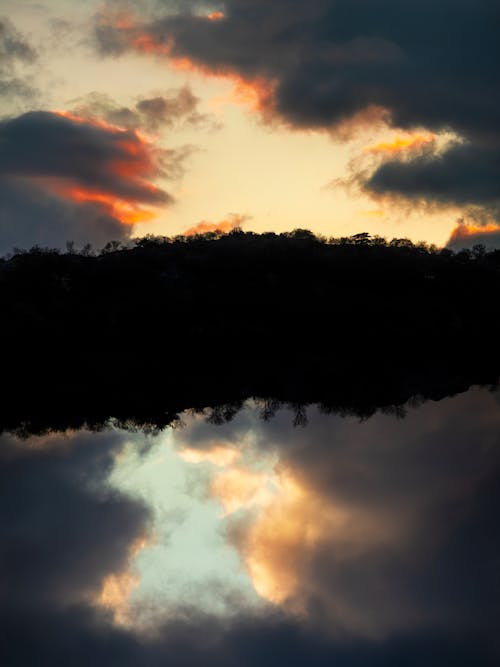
(403, 143)
(372, 213)
(215, 16)
(465, 231)
(232, 222)
(81, 120)
(126, 212)
(257, 92)
(120, 181)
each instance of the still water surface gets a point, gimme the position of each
(358, 531)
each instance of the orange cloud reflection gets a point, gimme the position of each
(218, 455)
(118, 587)
(288, 521)
(278, 545)
(239, 488)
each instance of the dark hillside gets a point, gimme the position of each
(142, 332)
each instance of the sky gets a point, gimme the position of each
(346, 542)
(270, 542)
(122, 119)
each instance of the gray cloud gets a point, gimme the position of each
(462, 237)
(427, 64)
(150, 113)
(31, 216)
(62, 178)
(48, 145)
(435, 475)
(13, 46)
(417, 546)
(466, 174)
(331, 59)
(62, 528)
(15, 52)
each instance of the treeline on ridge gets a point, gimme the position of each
(144, 331)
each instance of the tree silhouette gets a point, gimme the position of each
(143, 331)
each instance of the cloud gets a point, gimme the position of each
(30, 216)
(233, 221)
(466, 235)
(149, 113)
(465, 174)
(56, 169)
(402, 143)
(331, 59)
(323, 64)
(431, 482)
(62, 529)
(365, 528)
(13, 46)
(61, 147)
(15, 52)
(215, 16)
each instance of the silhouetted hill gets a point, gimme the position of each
(143, 332)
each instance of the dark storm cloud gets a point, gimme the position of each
(64, 178)
(465, 174)
(430, 64)
(62, 530)
(31, 216)
(80, 637)
(48, 145)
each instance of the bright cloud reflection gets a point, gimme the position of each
(346, 523)
(188, 561)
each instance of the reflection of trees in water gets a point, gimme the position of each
(268, 407)
(141, 333)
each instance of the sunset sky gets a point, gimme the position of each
(243, 450)
(121, 119)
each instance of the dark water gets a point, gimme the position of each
(341, 542)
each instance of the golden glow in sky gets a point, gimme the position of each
(242, 166)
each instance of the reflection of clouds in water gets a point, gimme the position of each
(367, 527)
(188, 563)
(63, 529)
(369, 543)
(118, 587)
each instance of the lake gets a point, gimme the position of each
(317, 540)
